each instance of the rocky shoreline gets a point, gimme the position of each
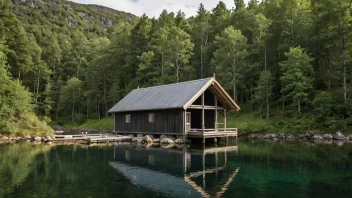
(36, 139)
(338, 136)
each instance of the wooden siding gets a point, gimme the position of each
(165, 122)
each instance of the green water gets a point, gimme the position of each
(254, 169)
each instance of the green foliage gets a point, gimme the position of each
(297, 78)
(17, 115)
(77, 61)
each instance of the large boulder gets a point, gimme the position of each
(317, 137)
(327, 136)
(167, 141)
(339, 136)
(147, 140)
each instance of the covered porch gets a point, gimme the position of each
(207, 116)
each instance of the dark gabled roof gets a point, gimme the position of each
(172, 96)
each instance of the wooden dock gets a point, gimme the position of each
(91, 138)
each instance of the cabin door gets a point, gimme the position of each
(188, 122)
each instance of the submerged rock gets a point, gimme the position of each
(339, 136)
(167, 141)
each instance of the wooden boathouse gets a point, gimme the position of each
(190, 109)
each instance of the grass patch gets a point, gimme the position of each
(104, 123)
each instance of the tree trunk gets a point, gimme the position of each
(267, 106)
(177, 70)
(201, 60)
(265, 58)
(38, 84)
(234, 79)
(162, 63)
(73, 103)
(105, 96)
(299, 106)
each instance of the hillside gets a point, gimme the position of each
(62, 15)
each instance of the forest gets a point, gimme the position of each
(285, 62)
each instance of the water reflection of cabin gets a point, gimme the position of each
(178, 173)
(189, 108)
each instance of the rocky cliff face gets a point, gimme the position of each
(91, 17)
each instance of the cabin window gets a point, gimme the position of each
(128, 118)
(151, 117)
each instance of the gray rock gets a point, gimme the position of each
(339, 136)
(162, 137)
(131, 135)
(48, 138)
(156, 141)
(327, 136)
(349, 137)
(167, 141)
(267, 136)
(291, 137)
(173, 138)
(317, 137)
(37, 138)
(179, 141)
(5, 138)
(281, 136)
(147, 140)
(137, 140)
(140, 135)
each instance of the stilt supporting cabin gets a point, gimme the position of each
(190, 109)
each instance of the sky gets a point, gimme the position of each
(153, 8)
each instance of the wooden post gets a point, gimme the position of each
(216, 113)
(203, 122)
(203, 160)
(225, 115)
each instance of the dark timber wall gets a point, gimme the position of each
(165, 122)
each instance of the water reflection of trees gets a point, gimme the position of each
(16, 162)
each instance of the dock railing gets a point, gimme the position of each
(219, 131)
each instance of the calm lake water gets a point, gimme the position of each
(252, 169)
